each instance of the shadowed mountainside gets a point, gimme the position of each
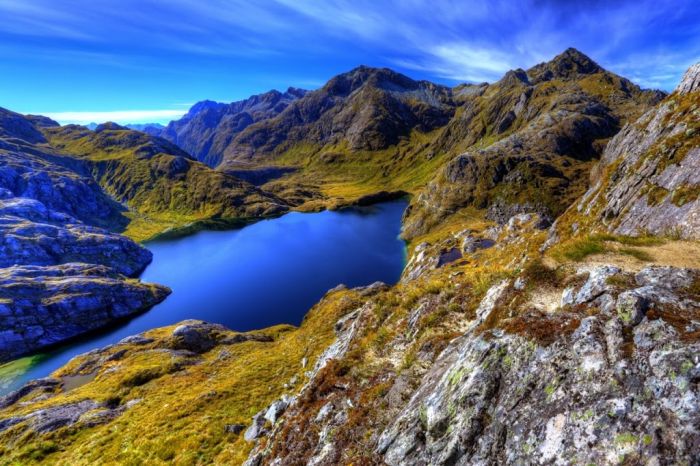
(208, 130)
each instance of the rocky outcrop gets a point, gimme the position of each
(41, 306)
(59, 277)
(623, 383)
(42, 421)
(612, 373)
(31, 234)
(199, 337)
(208, 130)
(691, 80)
(648, 180)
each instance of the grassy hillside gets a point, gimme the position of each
(183, 401)
(161, 184)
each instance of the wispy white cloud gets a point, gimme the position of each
(479, 41)
(120, 116)
(462, 62)
(468, 40)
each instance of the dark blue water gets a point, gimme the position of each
(270, 272)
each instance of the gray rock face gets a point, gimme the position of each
(87, 412)
(46, 385)
(59, 277)
(649, 176)
(591, 397)
(691, 80)
(41, 306)
(31, 234)
(256, 429)
(276, 409)
(30, 169)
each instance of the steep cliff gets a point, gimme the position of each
(648, 180)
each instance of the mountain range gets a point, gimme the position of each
(548, 312)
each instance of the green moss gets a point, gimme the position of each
(507, 361)
(685, 194)
(625, 439)
(656, 195)
(423, 417)
(550, 389)
(687, 366)
(456, 376)
(621, 281)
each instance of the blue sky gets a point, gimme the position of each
(149, 60)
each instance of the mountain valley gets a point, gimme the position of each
(548, 311)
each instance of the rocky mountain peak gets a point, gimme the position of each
(383, 78)
(296, 92)
(513, 77)
(202, 106)
(41, 121)
(567, 65)
(690, 81)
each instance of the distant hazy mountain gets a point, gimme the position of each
(154, 129)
